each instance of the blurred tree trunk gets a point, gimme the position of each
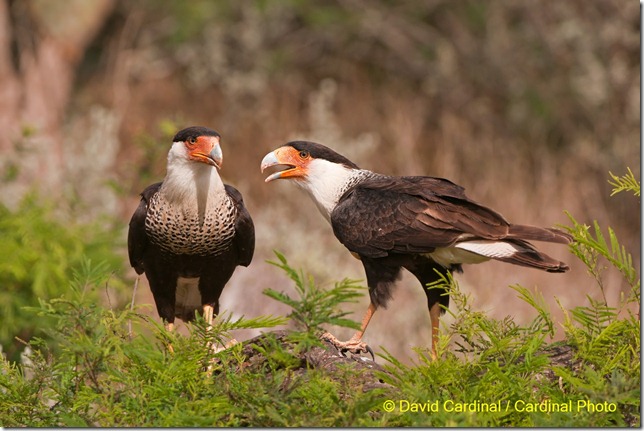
(41, 44)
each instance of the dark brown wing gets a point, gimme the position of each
(446, 202)
(137, 238)
(410, 214)
(430, 187)
(244, 239)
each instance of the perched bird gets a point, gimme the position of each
(190, 231)
(424, 224)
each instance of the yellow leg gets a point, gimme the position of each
(170, 327)
(209, 314)
(357, 337)
(355, 344)
(434, 316)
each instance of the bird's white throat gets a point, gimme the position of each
(189, 184)
(326, 182)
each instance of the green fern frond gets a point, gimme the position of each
(315, 306)
(626, 182)
(588, 246)
(594, 318)
(544, 321)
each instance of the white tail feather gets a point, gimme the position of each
(491, 249)
(476, 251)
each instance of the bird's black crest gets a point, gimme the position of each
(193, 132)
(319, 151)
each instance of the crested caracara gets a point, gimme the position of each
(424, 224)
(190, 231)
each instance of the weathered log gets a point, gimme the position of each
(324, 358)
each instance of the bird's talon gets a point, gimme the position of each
(433, 231)
(228, 345)
(353, 347)
(370, 351)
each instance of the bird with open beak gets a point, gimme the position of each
(424, 224)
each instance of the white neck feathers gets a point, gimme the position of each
(190, 185)
(326, 182)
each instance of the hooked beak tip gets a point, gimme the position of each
(216, 157)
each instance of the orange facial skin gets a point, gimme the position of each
(205, 149)
(296, 163)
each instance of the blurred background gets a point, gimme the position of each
(528, 105)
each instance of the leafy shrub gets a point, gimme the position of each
(40, 255)
(315, 306)
(102, 373)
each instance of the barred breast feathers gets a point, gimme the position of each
(183, 230)
(191, 213)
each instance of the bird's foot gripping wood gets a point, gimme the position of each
(353, 345)
(215, 349)
(215, 359)
(209, 315)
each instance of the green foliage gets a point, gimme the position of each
(589, 247)
(626, 182)
(316, 305)
(501, 373)
(498, 373)
(102, 374)
(40, 254)
(607, 343)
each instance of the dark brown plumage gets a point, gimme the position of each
(190, 231)
(423, 224)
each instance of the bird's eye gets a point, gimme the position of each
(304, 154)
(192, 141)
